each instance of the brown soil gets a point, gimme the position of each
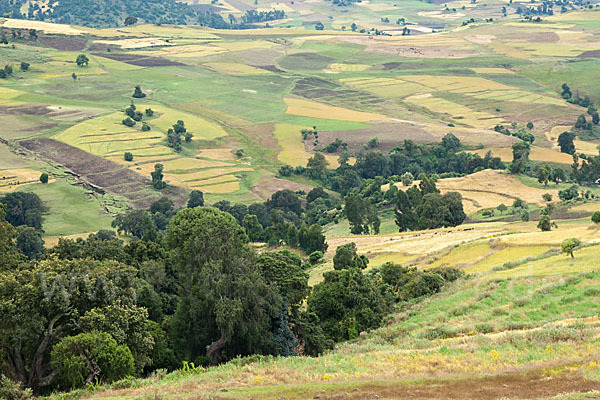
(63, 43)
(590, 54)
(267, 185)
(103, 174)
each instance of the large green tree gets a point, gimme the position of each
(225, 306)
(42, 302)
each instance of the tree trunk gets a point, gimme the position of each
(572, 256)
(213, 350)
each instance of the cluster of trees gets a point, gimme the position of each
(175, 133)
(24, 212)
(279, 220)
(97, 309)
(521, 133)
(425, 208)
(133, 116)
(253, 16)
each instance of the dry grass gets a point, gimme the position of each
(307, 108)
(536, 154)
(136, 43)
(492, 71)
(13, 179)
(231, 68)
(293, 151)
(46, 27)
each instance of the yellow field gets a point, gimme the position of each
(293, 151)
(458, 112)
(107, 136)
(488, 186)
(385, 87)
(505, 255)
(587, 207)
(135, 43)
(490, 71)
(536, 154)
(46, 27)
(198, 126)
(217, 154)
(586, 259)
(13, 179)
(307, 108)
(186, 51)
(236, 69)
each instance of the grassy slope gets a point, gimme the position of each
(474, 328)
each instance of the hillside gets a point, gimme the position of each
(350, 200)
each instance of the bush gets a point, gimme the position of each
(44, 178)
(596, 217)
(12, 390)
(423, 284)
(128, 156)
(128, 122)
(145, 127)
(315, 257)
(72, 355)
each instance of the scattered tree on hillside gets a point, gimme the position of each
(157, 177)
(569, 245)
(25, 66)
(137, 93)
(130, 21)
(196, 199)
(44, 177)
(596, 217)
(565, 142)
(82, 60)
(520, 160)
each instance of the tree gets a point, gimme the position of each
(530, 125)
(128, 122)
(128, 324)
(319, 26)
(525, 216)
(81, 360)
(405, 217)
(157, 177)
(347, 303)
(547, 197)
(42, 303)
(346, 257)
(130, 21)
(312, 239)
(568, 194)
(74, 76)
(82, 60)
(137, 92)
(565, 142)
(502, 208)
(30, 242)
(520, 157)
(285, 200)
(253, 228)
(286, 170)
(569, 245)
(44, 177)
(317, 165)
(8, 234)
(361, 214)
(163, 205)
(596, 217)
(544, 174)
(24, 66)
(407, 179)
(128, 156)
(544, 224)
(196, 199)
(23, 209)
(225, 305)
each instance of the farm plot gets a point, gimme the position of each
(457, 112)
(307, 108)
(16, 178)
(102, 173)
(293, 150)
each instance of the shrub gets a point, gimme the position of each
(128, 122)
(72, 355)
(12, 390)
(596, 217)
(44, 178)
(315, 257)
(128, 156)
